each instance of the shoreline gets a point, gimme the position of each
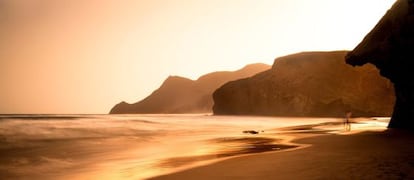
(366, 154)
(280, 137)
(284, 136)
(116, 153)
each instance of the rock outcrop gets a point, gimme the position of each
(390, 47)
(182, 95)
(308, 84)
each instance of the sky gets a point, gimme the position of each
(85, 56)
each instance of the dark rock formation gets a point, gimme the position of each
(390, 47)
(308, 84)
(182, 95)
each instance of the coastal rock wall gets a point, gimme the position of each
(308, 84)
(390, 47)
(182, 95)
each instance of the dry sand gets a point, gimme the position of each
(363, 155)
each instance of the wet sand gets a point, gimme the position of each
(112, 147)
(379, 154)
(133, 147)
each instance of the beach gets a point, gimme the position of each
(199, 146)
(133, 146)
(361, 154)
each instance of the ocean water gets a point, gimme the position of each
(140, 146)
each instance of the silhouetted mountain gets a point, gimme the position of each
(308, 84)
(182, 95)
(390, 47)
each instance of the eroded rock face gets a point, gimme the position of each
(182, 95)
(390, 47)
(308, 84)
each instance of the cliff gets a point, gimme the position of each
(390, 47)
(308, 84)
(182, 95)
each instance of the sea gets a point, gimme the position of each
(144, 146)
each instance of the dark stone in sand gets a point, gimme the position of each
(390, 47)
(308, 84)
(251, 132)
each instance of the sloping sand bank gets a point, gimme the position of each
(364, 155)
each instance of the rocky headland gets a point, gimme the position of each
(183, 95)
(308, 84)
(390, 47)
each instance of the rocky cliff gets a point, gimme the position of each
(390, 47)
(182, 95)
(308, 84)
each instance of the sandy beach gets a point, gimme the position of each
(369, 154)
(201, 147)
(136, 146)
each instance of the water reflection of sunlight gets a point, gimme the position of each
(362, 124)
(369, 124)
(138, 147)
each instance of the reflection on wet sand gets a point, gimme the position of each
(230, 147)
(139, 147)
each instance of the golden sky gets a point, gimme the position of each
(84, 56)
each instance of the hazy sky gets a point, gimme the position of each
(84, 56)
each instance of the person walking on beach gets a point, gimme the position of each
(347, 122)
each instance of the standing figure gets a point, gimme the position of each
(347, 122)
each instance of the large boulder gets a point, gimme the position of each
(390, 47)
(182, 95)
(308, 84)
